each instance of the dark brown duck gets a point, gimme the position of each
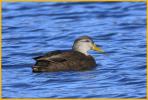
(76, 59)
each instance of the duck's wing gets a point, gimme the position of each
(53, 56)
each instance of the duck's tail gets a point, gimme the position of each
(40, 66)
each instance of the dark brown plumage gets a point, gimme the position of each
(63, 61)
(76, 59)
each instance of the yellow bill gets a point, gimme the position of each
(97, 48)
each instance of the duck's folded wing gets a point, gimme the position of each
(48, 55)
(55, 56)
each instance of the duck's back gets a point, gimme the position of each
(63, 61)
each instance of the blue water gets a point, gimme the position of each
(31, 29)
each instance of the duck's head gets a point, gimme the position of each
(84, 43)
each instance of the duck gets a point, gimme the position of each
(75, 59)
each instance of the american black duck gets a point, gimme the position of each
(76, 59)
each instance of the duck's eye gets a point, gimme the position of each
(86, 41)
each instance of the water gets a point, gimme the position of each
(31, 29)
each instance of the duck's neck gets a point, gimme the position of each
(82, 50)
